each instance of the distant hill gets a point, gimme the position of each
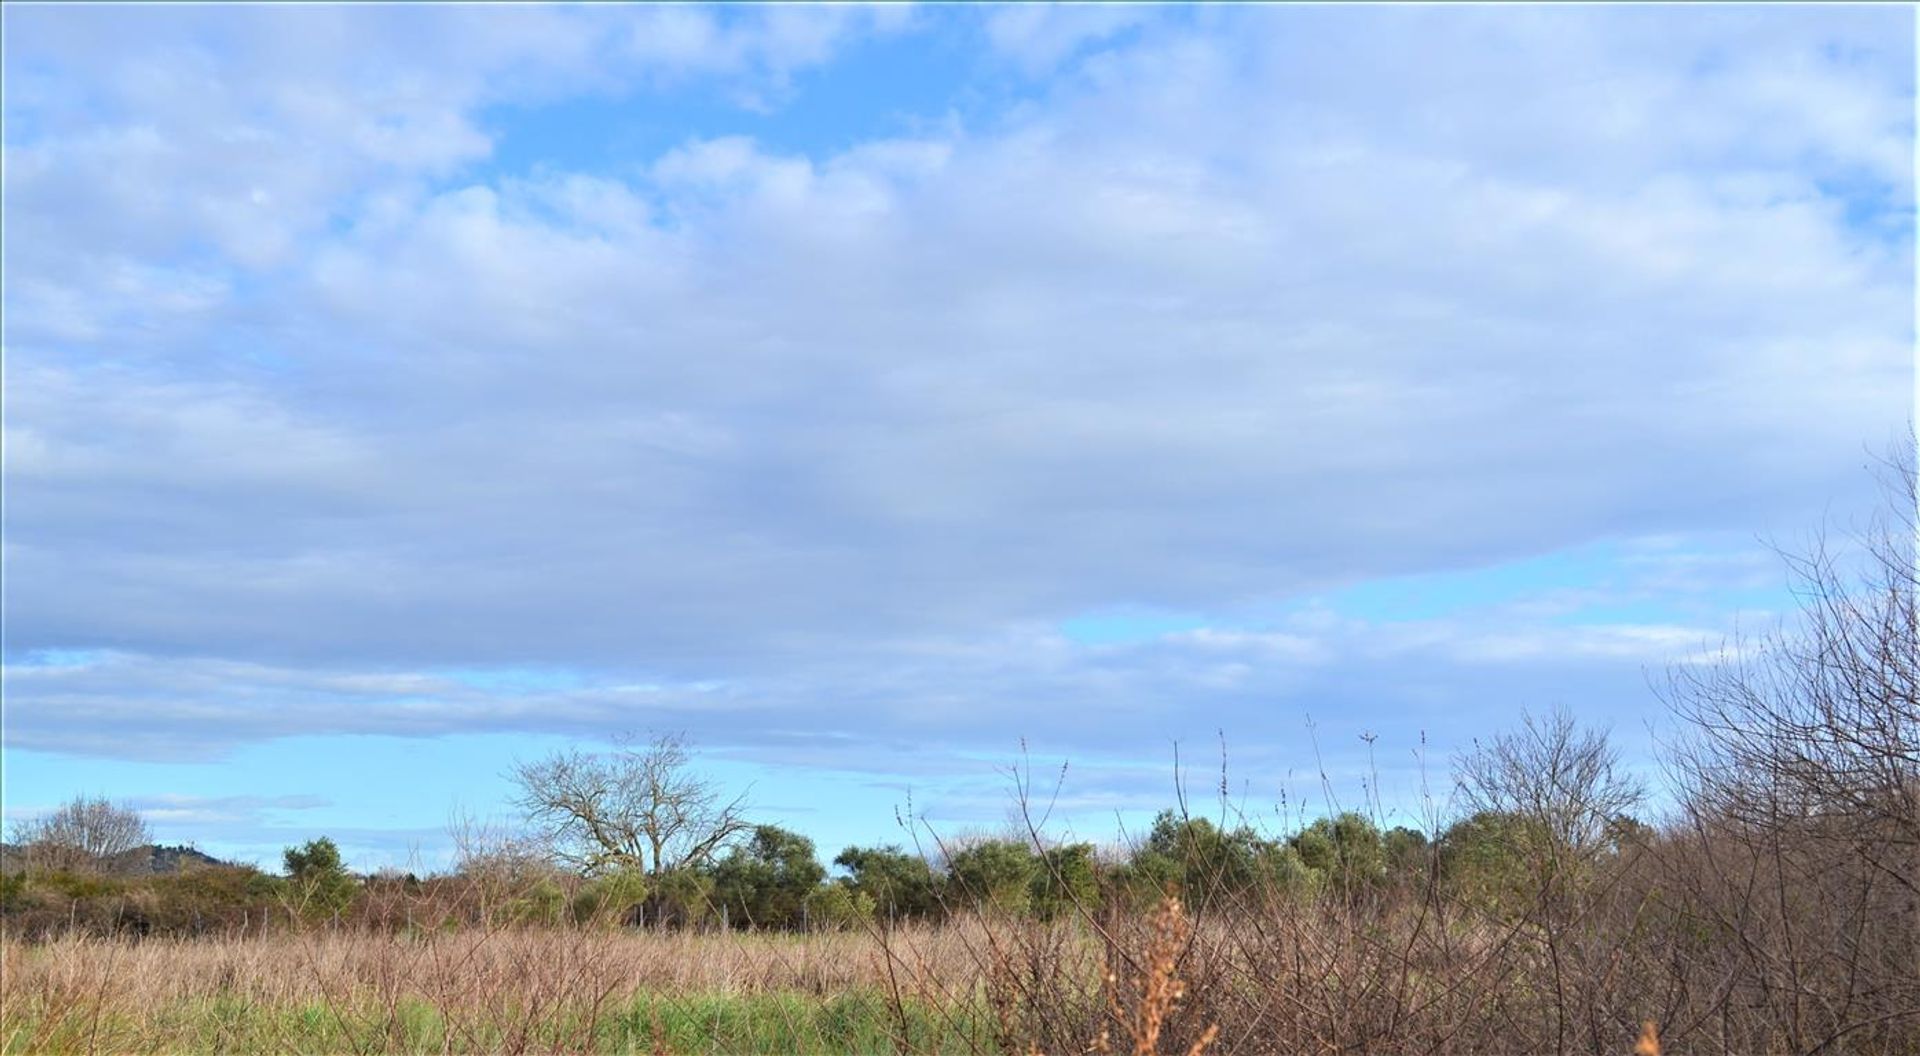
(152, 859)
(160, 858)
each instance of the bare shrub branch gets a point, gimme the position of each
(84, 835)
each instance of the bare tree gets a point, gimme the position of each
(1564, 781)
(1566, 792)
(485, 847)
(642, 809)
(83, 835)
(1820, 720)
(1800, 778)
(496, 864)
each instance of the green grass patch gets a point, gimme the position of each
(860, 1021)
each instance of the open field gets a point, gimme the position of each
(539, 990)
(1313, 975)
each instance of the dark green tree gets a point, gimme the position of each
(1147, 877)
(994, 874)
(677, 898)
(1066, 880)
(1347, 849)
(1208, 863)
(1485, 858)
(317, 881)
(1408, 854)
(769, 881)
(902, 885)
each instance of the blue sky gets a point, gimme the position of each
(392, 393)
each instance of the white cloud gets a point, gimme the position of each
(297, 387)
(775, 41)
(173, 810)
(1038, 37)
(942, 698)
(251, 131)
(176, 810)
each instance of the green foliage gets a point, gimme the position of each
(80, 886)
(994, 874)
(319, 857)
(1147, 877)
(1066, 878)
(194, 901)
(611, 898)
(900, 885)
(851, 1021)
(198, 898)
(840, 905)
(1347, 850)
(13, 886)
(542, 903)
(773, 1023)
(1362, 851)
(770, 881)
(1489, 858)
(1408, 853)
(1208, 862)
(1500, 861)
(1283, 872)
(318, 883)
(679, 898)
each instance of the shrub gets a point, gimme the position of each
(900, 885)
(768, 882)
(614, 898)
(1066, 879)
(994, 874)
(679, 898)
(543, 903)
(318, 884)
(839, 906)
(1210, 864)
(13, 890)
(1347, 850)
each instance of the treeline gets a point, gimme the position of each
(773, 879)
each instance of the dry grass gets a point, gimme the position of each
(915, 989)
(507, 991)
(1304, 976)
(469, 966)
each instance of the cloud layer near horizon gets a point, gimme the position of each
(812, 450)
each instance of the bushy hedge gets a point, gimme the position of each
(775, 881)
(218, 899)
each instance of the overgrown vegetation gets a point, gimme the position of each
(1774, 908)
